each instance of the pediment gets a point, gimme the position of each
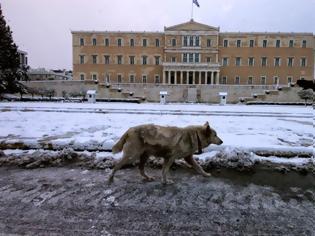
(191, 26)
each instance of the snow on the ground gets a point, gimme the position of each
(83, 125)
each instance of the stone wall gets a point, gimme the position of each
(176, 93)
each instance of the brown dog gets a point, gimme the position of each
(171, 143)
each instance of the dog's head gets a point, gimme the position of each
(210, 136)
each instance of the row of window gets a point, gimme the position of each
(195, 58)
(119, 60)
(120, 42)
(194, 41)
(264, 44)
(187, 41)
(251, 80)
(264, 61)
(132, 78)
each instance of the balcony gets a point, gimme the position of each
(191, 66)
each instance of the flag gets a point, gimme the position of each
(196, 2)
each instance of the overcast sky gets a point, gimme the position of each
(43, 27)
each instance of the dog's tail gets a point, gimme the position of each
(120, 144)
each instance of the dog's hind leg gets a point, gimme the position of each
(191, 161)
(143, 159)
(165, 169)
(124, 160)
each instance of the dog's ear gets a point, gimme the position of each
(208, 130)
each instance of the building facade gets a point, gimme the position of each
(194, 54)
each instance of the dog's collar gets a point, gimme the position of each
(199, 144)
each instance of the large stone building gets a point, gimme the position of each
(193, 53)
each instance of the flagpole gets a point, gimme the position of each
(192, 10)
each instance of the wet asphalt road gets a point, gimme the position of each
(75, 201)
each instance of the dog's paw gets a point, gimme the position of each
(168, 182)
(149, 179)
(206, 174)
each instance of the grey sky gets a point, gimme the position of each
(42, 27)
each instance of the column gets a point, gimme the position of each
(211, 77)
(181, 77)
(206, 77)
(217, 77)
(169, 77)
(164, 72)
(175, 77)
(187, 77)
(199, 82)
(194, 82)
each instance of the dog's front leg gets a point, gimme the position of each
(191, 161)
(165, 169)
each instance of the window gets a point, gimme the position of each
(119, 42)
(185, 41)
(263, 80)
(304, 44)
(191, 57)
(157, 60)
(275, 80)
(237, 61)
(196, 57)
(208, 43)
(119, 78)
(173, 42)
(290, 80)
(131, 78)
(81, 41)
(251, 61)
(224, 80)
(265, 43)
(278, 43)
(264, 61)
(225, 43)
(208, 59)
(144, 79)
(81, 76)
(197, 42)
(303, 62)
(106, 58)
(132, 42)
(173, 59)
(238, 43)
(291, 43)
(131, 60)
(290, 61)
(94, 76)
(250, 80)
(277, 61)
(119, 59)
(191, 41)
(225, 61)
(81, 59)
(251, 43)
(157, 42)
(237, 80)
(157, 79)
(144, 42)
(94, 41)
(107, 42)
(185, 57)
(144, 60)
(107, 78)
(94, 59)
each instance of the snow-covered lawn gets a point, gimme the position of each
(100, 125)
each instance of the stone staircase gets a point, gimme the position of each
(267, 96)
